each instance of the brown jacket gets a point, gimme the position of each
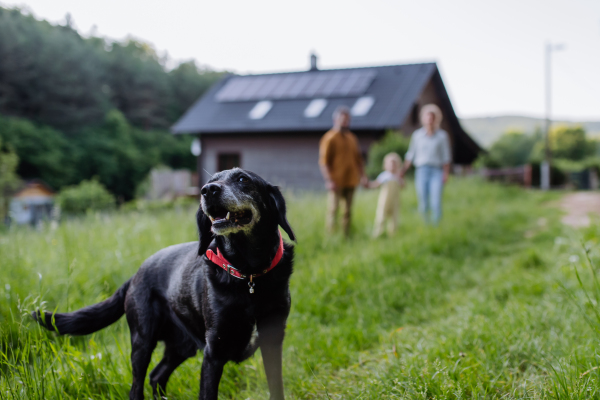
(340, 152)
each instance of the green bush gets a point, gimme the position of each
(577, 166)
(391, 142)
(512, 149)
(87, 196)
(570, 142)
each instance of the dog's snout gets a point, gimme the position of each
(211, 189)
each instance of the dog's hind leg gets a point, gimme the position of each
(176, 352)
(144, 319)
(142, 347)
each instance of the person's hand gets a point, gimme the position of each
(445, 178)
(330, 185)
(364, 181)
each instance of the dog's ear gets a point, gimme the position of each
(277, 201)
(204, 233)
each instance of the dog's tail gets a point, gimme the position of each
(88, 319)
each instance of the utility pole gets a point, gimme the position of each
(545, 166)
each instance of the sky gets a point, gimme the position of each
(491, 54)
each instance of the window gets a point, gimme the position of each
(228, 161)
(362, 106)
(315, 108)
(260, 109)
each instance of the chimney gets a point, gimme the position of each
(313, 62)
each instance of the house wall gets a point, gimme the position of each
(290, 161)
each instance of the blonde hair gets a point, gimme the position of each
(392, 157)
(435, 110)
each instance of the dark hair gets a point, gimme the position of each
(341, 110)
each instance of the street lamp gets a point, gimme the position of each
(545, 166)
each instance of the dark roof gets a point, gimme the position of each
(391, 90)
(225, 107)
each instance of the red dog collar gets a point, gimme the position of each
(226, 265)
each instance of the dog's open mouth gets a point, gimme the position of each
(220, 217)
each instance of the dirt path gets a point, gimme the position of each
(578, 206)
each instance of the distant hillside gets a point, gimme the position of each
(488, 129)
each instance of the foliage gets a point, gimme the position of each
(8, 178)
(43, 152)
(187, 81)
(111, 154)
(512, 149)
(391, 142)
(472, 309)
(90, 77)
(569, 142)
(579, 165)
(49, 74)
(117, 153)
(98, 109)
(85, 197)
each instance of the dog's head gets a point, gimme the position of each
(239, 201)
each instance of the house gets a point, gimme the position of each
(271, 124)
(33, 203)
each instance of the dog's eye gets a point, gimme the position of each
(243, 179)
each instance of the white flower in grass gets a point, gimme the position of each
(574, 258)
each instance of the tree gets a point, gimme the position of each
(49, 74)
(188, 83)
(9, 180)
(75, 108)
(138, 84)
(110, 154)
(570, 142)
(43, 152)
(512, 149)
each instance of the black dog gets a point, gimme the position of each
(228, 308)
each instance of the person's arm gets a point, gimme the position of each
(407, 165)
(410, 155)
(446, 173)
(329, 183)
(446, 157)
(373, 184)
(325, 156)
(364, 181)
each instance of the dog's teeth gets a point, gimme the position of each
(227, 217)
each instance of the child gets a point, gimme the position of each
(389, 197)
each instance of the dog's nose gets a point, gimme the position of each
(210, 189)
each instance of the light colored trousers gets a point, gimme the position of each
(429, 182)
(333, 202)
(387, 208)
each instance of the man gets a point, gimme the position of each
(342, 167)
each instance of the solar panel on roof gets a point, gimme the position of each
(296, 86)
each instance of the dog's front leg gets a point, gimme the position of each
(212, 370)
(270, 334)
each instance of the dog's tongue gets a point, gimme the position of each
(220, 219)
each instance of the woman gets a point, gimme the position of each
(429, 151)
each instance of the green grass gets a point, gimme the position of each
(487, 305)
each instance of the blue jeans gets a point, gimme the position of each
(429, 182)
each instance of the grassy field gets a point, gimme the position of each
(488, 305)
